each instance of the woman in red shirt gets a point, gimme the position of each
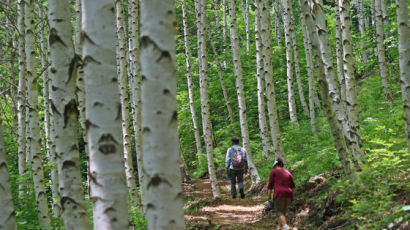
(280, 180)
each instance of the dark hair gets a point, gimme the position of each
(279, 162)
(235, 140)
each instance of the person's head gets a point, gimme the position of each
(235, 141)
(279, 162)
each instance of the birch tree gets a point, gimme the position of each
(289, 62)
(309, 68)
(245, 16)
(362, 27)
(21, 99)
(33, 127)
(380, 51)
(352, 103)
(263, 129)
(266, 40)
(64, 115)
(163, 210)
(8, 215)
(203, 83)
(240, 90)
(123, 86)
(339, 54)
(404, 61)
(103, 116)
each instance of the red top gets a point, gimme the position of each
(281, 181)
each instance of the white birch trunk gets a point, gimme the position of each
(297, 66)
(190, 83)
(203, 82)
(289, 64)
(225, 24)
(404, 61)
(8, 215)
(263, 129)
(309, 68)
(328, 105)
(103, 116)
(380, 51)
(350, 134)
(64, 115)
(163, 210)
(240, 91)
(21, 100)
(361, 29)
(33, 127)
(352, 103)
(135, 83)
(245, 16)
(339, 55)
(266, 40)
(48, 127)
(123, 86)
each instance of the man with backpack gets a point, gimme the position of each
(236, 164)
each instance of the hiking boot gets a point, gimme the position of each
(242, 193)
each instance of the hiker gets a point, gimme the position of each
(280, 180)
(236, 164)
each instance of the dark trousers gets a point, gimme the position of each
(236, 175)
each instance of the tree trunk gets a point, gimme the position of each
(266, 40)
(123, 86)
(21, 101)
(263, 129)
(164, 210)
(362, 27)
(190, 83)
(309, 68)
(297, 67)
(380, 51)
(103, 116)
(287, 11)
(245, 16)
(404, 61)
(8, 215)
(240, 90)
(339, 55)
(352, 103)
(33, 117)
(224, 30)
(203, 82)
(350, 134)
(335, 126)
(278, 32)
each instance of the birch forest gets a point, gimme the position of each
(118, 114)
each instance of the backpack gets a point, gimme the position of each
(237, 161)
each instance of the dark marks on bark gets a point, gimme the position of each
(70, 110)
(156, 180)
(107, 144)
(54, 37)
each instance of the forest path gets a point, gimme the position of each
(224, 212)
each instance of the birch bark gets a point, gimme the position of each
(404, 61)
(108, 189)
(339, 55)
(309, 68)
(240, 90)
(266, 40)
(289, 64)
(263, 129)
(361, 29)
(164, 210)
(123, 86)
(21, 99)
(33, 127)
(380, 51)
(203, 82)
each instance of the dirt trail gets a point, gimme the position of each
(225, 212)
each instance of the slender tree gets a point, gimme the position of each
(123, 86)
(8, 215)
(245, 16)
(404, 61)
(339, 55)
(159, 116)
(380, 51)
(33, 127)
(108, 189)
(240, 90)
(203, 83)
(287, 4)
(362, 26)
(266, 40)
(263, 129)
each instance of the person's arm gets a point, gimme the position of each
(270, 186)
(245, 160)
(270, 195)
(292, 183)
(227, 160)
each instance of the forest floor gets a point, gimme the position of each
(225, 212)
